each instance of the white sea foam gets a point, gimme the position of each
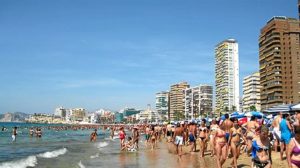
(94, 156)
(81, 165)
(22, 163)
(53, 154)
(101, 144)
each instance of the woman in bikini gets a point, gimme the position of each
(202, 137)
(261, 149)
(213, 129)
(221, 146)
(251, 129)
(122, 136)
(294, 149)
(235, 141)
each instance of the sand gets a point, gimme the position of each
(193, 159)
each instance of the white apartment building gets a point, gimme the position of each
(227, 76)
(251, 92)
(198, 101)
(162, 102)
(60, 112)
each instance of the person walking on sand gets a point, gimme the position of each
(251, 132)
(294, 149)
(178, 138)
(221, 145)
(276, 131)
(261, 149)
(193, 136)
(202, 137)
(286, 135)
(14, 134)
(235, 141)
(213, 129)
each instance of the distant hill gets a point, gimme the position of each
(13, 117)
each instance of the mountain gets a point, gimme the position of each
(13, 117)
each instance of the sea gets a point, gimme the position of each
(72, 149)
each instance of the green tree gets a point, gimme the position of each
(252, 108)
(233, 108)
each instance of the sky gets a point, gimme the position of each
(118, 53)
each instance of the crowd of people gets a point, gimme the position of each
(221, 139)
(224, 139)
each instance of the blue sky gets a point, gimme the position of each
(116, 53)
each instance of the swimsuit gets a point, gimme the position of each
(285, 132)
(255, 159)
(296, 151)
(178, 140)
(191, 137)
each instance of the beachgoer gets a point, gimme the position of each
(276, 131)
(169, 132)
(213, 129)
(221, 145)
(178, 138)
(136, 136)
(122, 136)
(112, 132)
(202, 137)
(261, 149)
(14, 134)
(193, 135)
(294, 149)
(235, 141)
(286, 135)
(31, 132)
(251, 127)
(93, 136)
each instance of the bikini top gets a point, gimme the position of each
(257, 148)
(202, 129)
(296, 149)
(221, 135)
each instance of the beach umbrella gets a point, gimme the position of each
(243, 120)
(255, 114)
(296, 107)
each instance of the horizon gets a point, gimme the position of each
(116, 54)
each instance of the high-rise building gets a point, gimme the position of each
(177, 100)
(77, 114)
(227, 76)
(299, 8)
(60, 112)
(162, 103)
(198, 101)
(251, 92)
(279, 62)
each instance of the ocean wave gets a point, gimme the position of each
(101, 144)
(81, 165)
(94, 156)
(53, 154)
(30, 161)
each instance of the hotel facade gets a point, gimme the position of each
(177, 100)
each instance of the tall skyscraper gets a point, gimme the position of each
(227, 76)
(251, 92)
(198, 101)
(162, 103)
(177, 100)
(279, 63)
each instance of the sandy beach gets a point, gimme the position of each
(193, 160)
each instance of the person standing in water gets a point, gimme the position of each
(14, 134)
(93, 136)
(31, 132)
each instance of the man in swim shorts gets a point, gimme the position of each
(178, 138)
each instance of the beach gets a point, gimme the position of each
(72, 148)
